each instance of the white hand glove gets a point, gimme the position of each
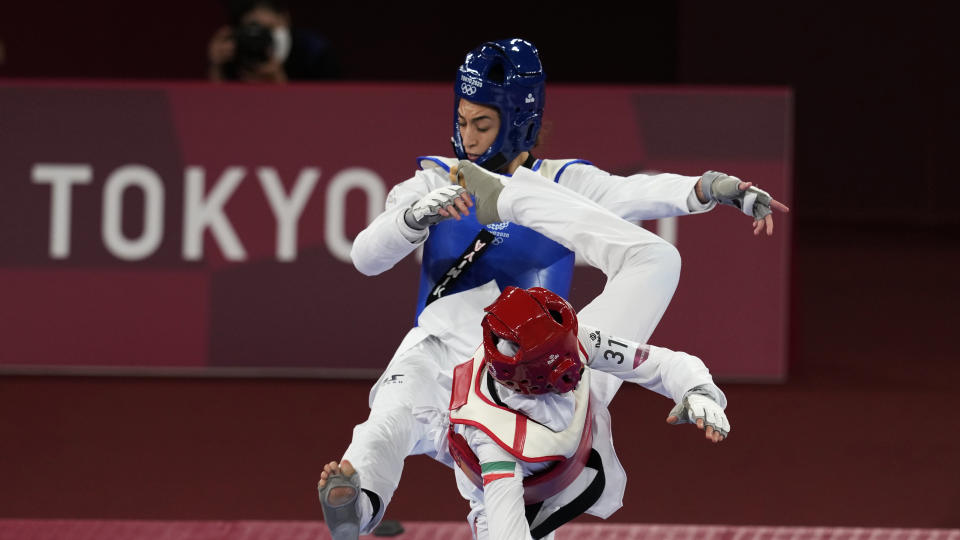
(426, 211)
(694, 407)
(725, 189)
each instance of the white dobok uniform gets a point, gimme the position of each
(573, 203)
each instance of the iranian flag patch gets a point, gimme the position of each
(496, 470)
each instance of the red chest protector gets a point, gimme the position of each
(522, 437)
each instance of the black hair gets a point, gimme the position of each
(237, 9)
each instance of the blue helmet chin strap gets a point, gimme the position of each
(506, 75)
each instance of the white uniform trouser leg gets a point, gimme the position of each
(391, 432)
(642, 269)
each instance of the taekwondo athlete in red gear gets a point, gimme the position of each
(498, 105)
(531, 452)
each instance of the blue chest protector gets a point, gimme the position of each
(518, 256)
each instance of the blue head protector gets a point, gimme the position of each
(507, 76)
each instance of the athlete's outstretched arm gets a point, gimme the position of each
(653, 196)
(677, 375)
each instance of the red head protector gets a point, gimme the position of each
(530, 341)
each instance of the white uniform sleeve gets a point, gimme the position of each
(502, 490)
(387, 239)
(637, 197)
(670, 373)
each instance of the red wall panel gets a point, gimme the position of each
(151, 204)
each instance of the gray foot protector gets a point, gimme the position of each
(342, 519)
(485, 188)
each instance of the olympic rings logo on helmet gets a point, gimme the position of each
(468, 89)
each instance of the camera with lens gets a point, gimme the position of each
(253, 46)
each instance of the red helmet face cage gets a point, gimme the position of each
(544, 327)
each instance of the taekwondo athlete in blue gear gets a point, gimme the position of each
(506, 75)
(498, 110)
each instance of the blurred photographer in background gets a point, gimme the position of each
(260, 45)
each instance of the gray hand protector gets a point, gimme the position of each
(698, 403)
(725, 190)
(485, 187)
(426, 211)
